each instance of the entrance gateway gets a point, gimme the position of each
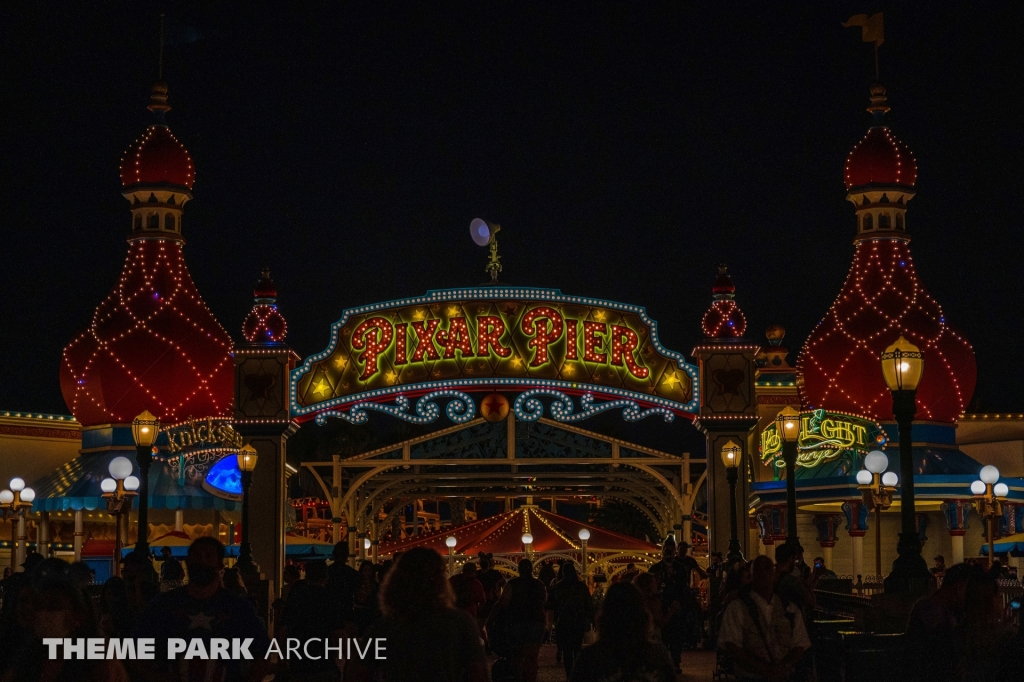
(510, 375)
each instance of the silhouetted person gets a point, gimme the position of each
(427, 639)
(624, 650)
(56, 607)
(932, 645)
(762, 636)
(522, 606)
(343, 581)
(574, 614)
(310, 615)
(202, 609)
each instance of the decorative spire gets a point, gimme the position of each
(724, 319)
(158, 101)
(879, 106)
(265, 324)
(880, 174)
(774, 356)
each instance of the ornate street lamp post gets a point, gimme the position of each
(902, 366)
(731, 454)
(787, 423)
(451, 541)
(246, 463)
(18, 500)
(145, 429)
(989, 496)
(876, 486)
(119, 491)
(584, 536)
(528, 544)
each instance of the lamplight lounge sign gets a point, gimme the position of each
(823, 436)
(493, 337)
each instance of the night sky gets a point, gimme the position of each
(625, 152)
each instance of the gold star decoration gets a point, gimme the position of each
(517, 361)
(340, 362)
(391, 376)
(600, 315)
(453, 311)
(420, 314)
(671, 379)
(568, 370)
(321, 387)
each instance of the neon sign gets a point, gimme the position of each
(823, 436)
(210, 433)
(488, 338)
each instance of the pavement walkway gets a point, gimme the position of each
(698, 666)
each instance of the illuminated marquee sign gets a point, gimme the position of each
(194, 435)
(493, 338)
(197, 445)
(824, 436)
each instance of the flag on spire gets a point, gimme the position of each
(872, 29)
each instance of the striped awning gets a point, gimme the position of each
(76, 485)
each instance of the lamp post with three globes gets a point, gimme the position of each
(876, 486)
(119, 491)
(989, 495)
(17, 500)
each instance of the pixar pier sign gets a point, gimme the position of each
(490, 338)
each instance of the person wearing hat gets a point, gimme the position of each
(940, 566)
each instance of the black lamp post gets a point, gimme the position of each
(119, 491)
(787, 423)
(902, 366)
(246, 463)
(145, 429)
(731, 454)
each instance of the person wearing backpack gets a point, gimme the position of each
(762, 636)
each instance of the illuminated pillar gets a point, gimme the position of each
(263, 419)
(179, 520)
(728, 410)
(22, 543)
(856, 525)
(336, 499)
(956, 513)
(79, 534)
(858, 555)
(43, 535)
(827, 526)
(350, 521)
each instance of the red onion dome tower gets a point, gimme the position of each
(724, 319)
(882, 298)
(265, 324)
(153, 344)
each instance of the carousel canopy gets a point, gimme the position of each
(503, 534)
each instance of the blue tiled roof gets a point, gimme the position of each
(76, 485)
